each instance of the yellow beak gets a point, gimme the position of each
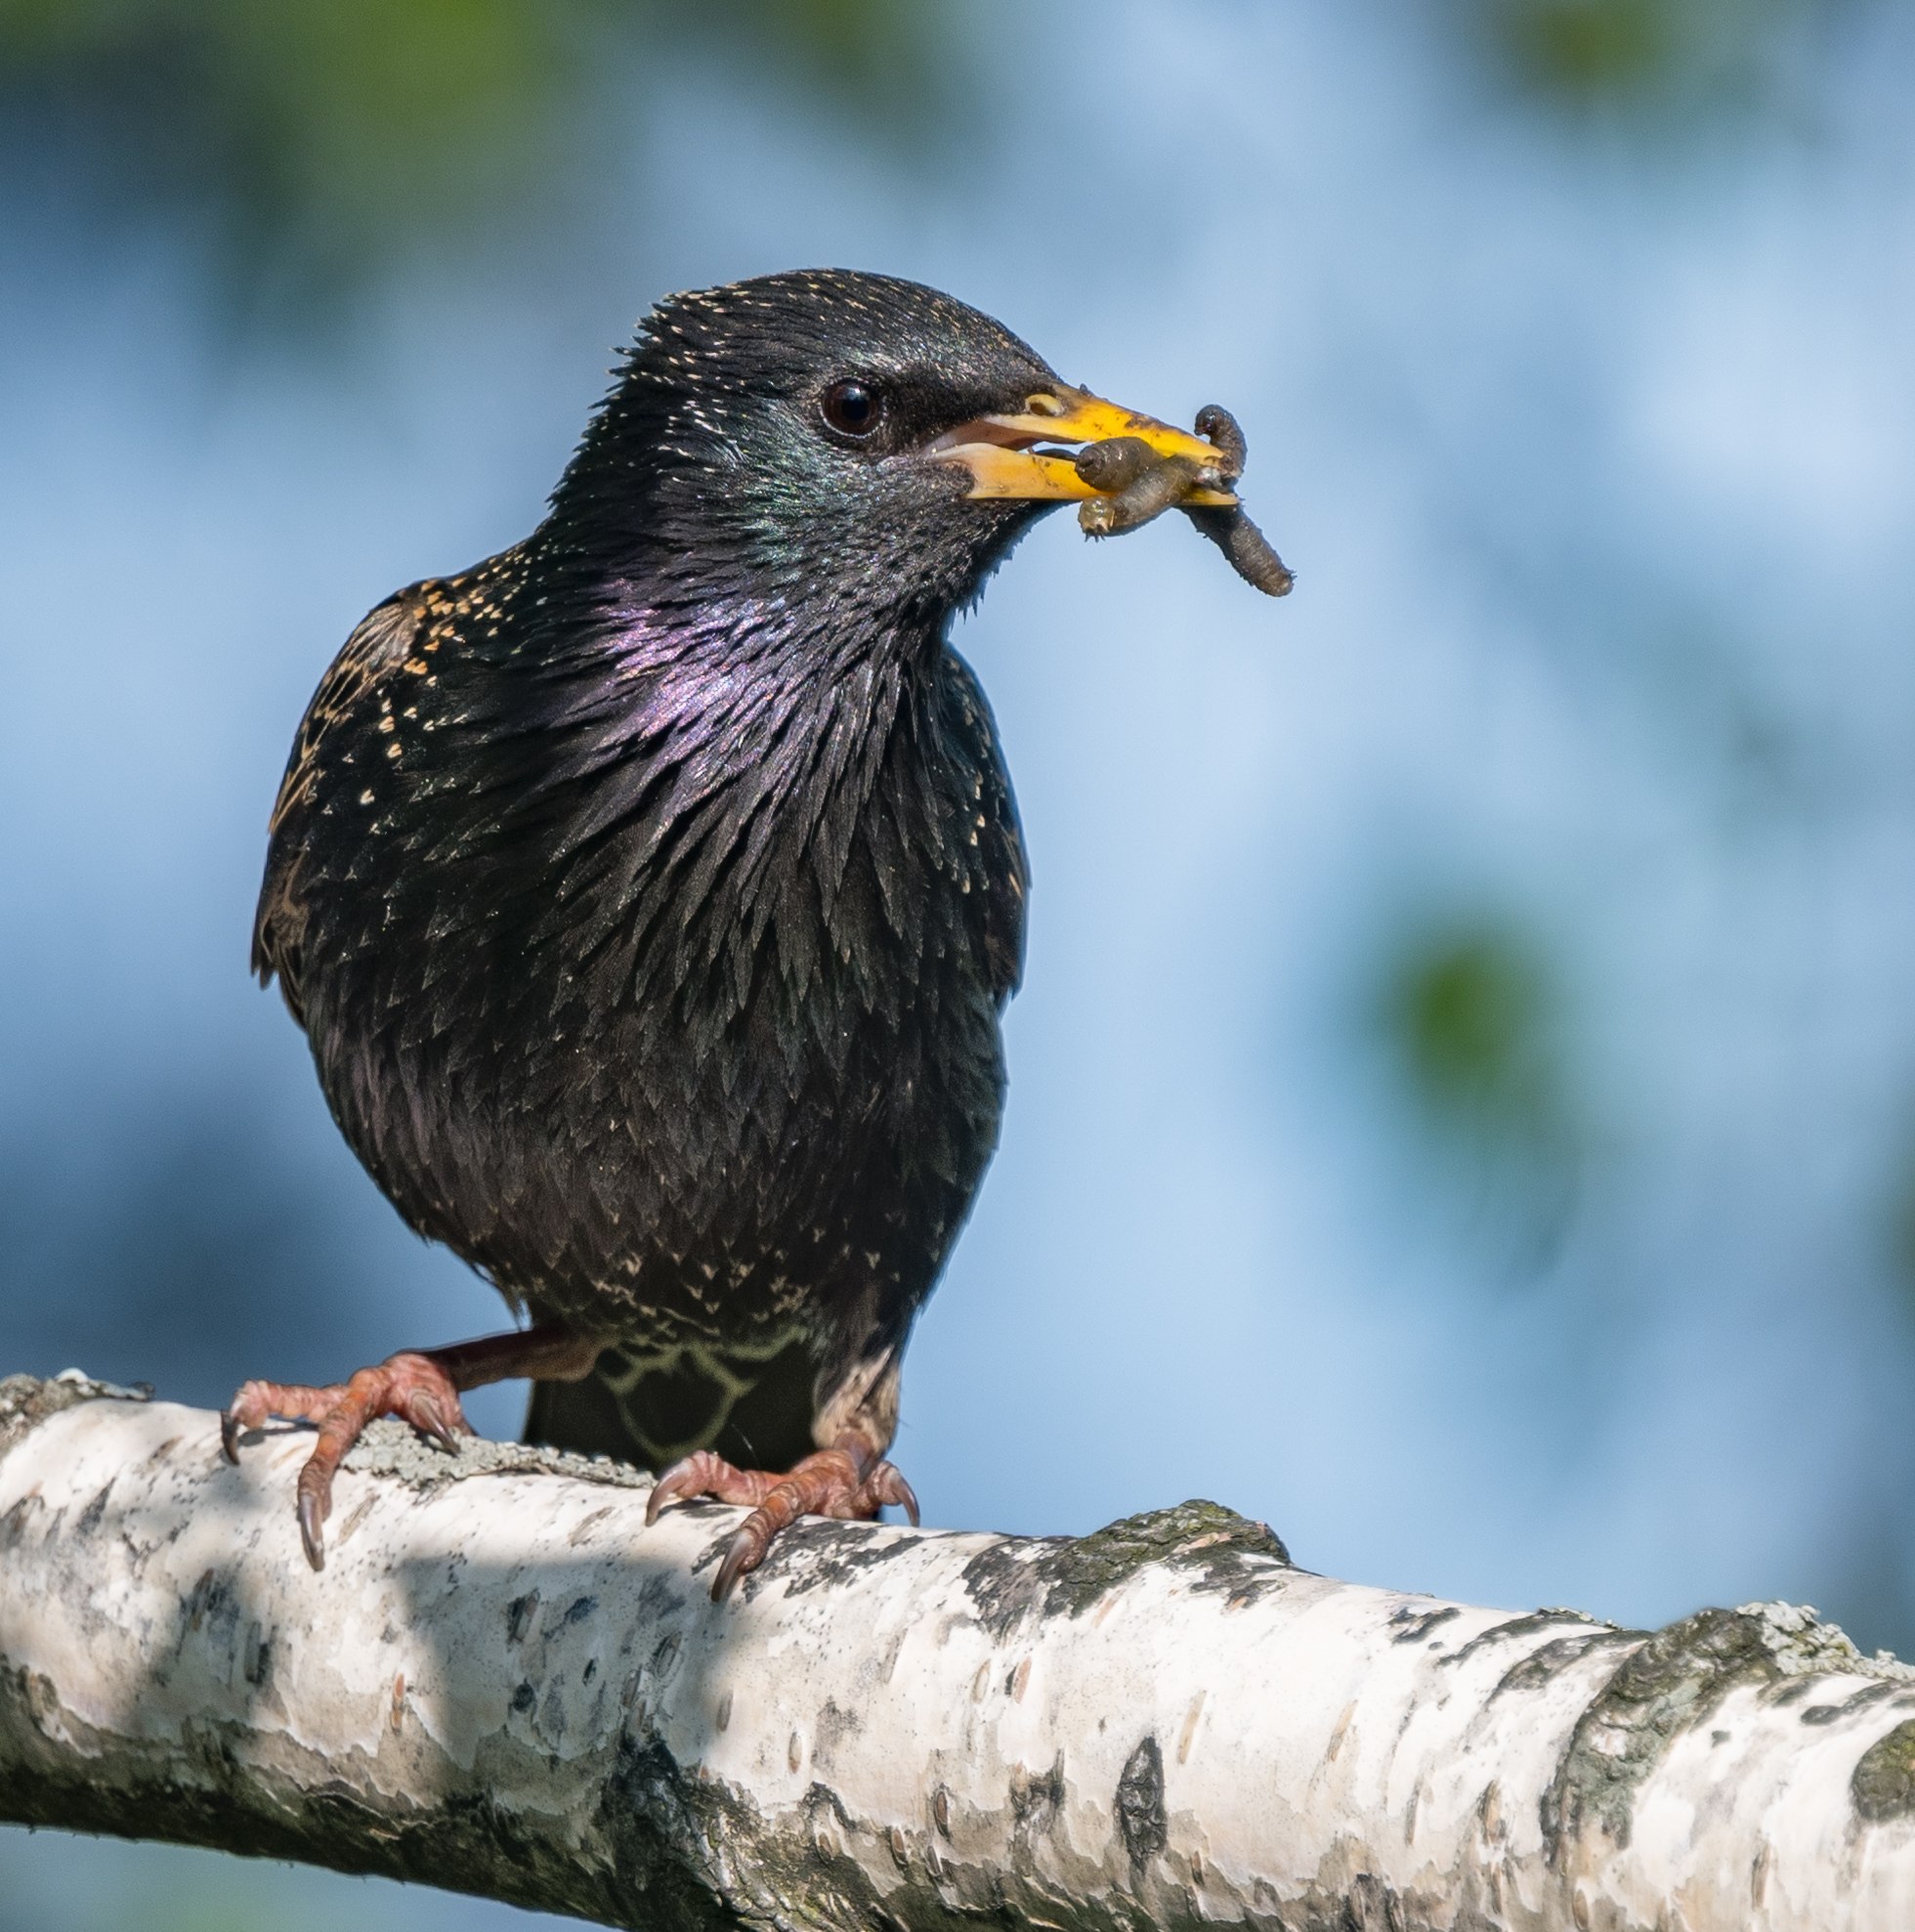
(1004, 459)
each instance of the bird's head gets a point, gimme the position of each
(848, 440)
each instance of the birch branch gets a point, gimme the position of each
(503, 1683)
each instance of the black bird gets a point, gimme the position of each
(650, 894)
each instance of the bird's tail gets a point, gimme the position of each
(652, 1410)
(586, 1417)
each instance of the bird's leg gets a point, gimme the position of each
(849, 1479)
(419, 1386)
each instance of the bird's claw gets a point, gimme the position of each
(832, 1483)
(314, 1506)
(742, 1554)
(886, 1485)
(409, 1385)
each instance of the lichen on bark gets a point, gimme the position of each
(1221, 1552)
(26, 1401)
(1884, 1783)
(1671, 1683)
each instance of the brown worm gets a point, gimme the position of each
(1144, 484)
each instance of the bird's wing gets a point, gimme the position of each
(999, 833)
(383, 638)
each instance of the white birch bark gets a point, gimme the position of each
(504, 1683)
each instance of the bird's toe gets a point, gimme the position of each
(414, 1388)
(702, 1475)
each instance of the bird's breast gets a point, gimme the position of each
(671, 1048)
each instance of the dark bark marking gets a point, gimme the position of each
(1141, 1821)
(1883, 1783)
(816, 1555)
(519, 1615)
(1515, 1627)
(1411, 1626)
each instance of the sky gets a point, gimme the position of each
(1591, 443)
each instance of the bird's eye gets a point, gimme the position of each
(851, 409)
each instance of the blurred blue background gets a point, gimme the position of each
(1463, 1095)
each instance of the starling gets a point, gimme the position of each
(650, 894)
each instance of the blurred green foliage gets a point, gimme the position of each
(1587, 47)
(1476, 1026)
(1474, 1021)
(321, 140)
(1675, 54)
(317, 142)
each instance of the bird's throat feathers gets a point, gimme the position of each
(732, 785)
